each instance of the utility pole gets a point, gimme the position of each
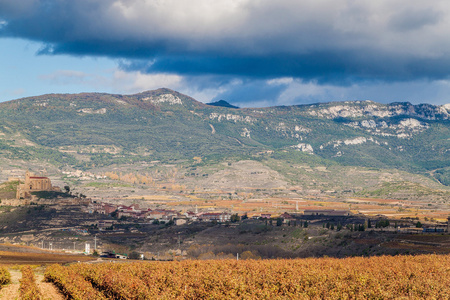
(448, 224)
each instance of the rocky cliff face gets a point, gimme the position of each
(360, 109)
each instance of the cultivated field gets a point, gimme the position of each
(386, 277)
(382, 277)
(22, 255)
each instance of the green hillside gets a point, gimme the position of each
(86, 131)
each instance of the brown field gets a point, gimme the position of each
(416, 247)
(22, 255)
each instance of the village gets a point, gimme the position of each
(33, 184)
(58, 218)
(30, 189)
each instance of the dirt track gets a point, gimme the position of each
(11, 291)
(48, 290)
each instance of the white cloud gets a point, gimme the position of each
(278, 91)
(287, 92)
(134, 82)
(280, 81)
(122, 82)
(114, 80)
(308, 91)
(65, 77)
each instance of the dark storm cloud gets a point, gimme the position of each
(340, 41)
(339, 68)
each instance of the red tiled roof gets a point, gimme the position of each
(213, 214)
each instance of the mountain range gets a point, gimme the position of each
(95, 130)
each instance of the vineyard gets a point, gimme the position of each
(28, 287)
(5, 276)
(385, 277)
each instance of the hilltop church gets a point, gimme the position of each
(34, 183)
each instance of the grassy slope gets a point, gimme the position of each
(145, 132)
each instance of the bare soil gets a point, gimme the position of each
(48, 289)
(24, 257)
(11, 291)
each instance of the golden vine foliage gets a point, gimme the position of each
(5, 276)
(71, 284)
(28, 288)
(384, 277)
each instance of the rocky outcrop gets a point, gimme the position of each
(164, 98)
(100, 111)
(231, 117)
(304, 148)
(360, 109)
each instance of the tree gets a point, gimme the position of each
(369, 224)
(134, 255)
(67, 188)
(249, 255)
(306, 224)
(279, 221)
(382, 223)
(235, 218)
(418, 224)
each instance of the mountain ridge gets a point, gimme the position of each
(162, 124)
(340, 108)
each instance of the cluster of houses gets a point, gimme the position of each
(161, 215)
(167, 215)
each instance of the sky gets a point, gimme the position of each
(251, 53)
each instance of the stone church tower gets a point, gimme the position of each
(33, 184)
